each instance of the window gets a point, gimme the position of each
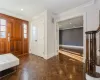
(2, 28)
(25, 30)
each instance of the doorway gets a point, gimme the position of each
(71, 37)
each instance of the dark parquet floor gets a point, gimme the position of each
(57, 68)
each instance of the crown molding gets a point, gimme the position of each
(78, 7)
(87, 4)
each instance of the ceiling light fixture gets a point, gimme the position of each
(70, 23)
(21, 9)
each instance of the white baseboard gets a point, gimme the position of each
(98, 69)
(91, 78)
(50, 56)
(38, 55)
(46, 56)
(71, 46)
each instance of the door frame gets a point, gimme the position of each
(84, 30)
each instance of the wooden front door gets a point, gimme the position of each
(16, 39)
(13, 35)
(5, 35)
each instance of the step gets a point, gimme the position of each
(88, 77)
(98, 69)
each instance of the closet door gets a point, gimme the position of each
(37, 45)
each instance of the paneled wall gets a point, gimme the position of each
(16, 40)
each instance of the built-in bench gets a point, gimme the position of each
(7, 64)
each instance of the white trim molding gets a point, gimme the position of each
(72, 46)
(70, 28)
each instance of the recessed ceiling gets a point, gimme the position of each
(71, 23)
(33, 7)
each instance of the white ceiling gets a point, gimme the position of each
(33, 7)
(99, 17)
(71, 23)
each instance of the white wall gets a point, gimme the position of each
(43, 17)
(90, 12)
(49, 36)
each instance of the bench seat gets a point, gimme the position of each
(8, 61)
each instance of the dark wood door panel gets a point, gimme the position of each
(14, 42)
(3, 46)
(16, 47)
(25, 46)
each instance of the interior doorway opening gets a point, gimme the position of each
(71, 32)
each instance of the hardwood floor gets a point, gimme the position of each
(57, 68)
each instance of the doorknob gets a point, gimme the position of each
(8, 34)
(8, 39)
(35, 40)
